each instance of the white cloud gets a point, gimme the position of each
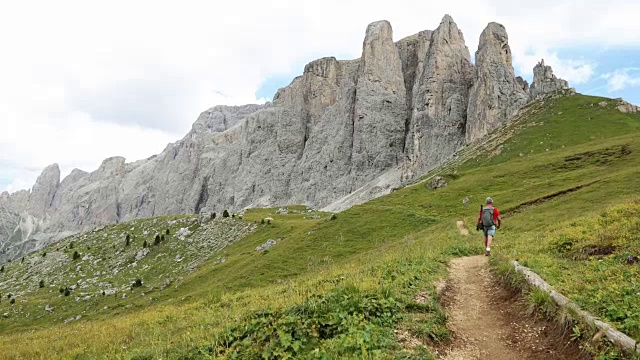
(621, 79)
(84, 80)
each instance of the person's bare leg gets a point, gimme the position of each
(488, 244)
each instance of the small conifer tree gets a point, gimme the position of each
(145, 244)
(225, 214)
(41, 284)
(44, 254)
(168, 232)
(262, 221)
(162, 238)
(128, 242)
(13, 301)
(76, 255)
(213, 216)
(2, 268)
(67, 292)
(157, 240)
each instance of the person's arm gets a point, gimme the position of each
(499, 219)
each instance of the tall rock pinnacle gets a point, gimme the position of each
(440, 102)
(496, 94)
(380, 104)
(544, 82)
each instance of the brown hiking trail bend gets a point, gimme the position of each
(490, 322)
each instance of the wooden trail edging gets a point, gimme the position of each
(621, 340)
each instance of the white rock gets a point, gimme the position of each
(142, 253)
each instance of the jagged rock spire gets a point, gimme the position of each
(544, 82)
(496, 94)
(380, 103)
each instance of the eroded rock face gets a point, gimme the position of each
(544, 82)
(44, 190)
(441, 96)
(221, 118)
(341, 133)
(380, 105)
(497, 94)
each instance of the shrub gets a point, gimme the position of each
(67, 292)
(145, 244)
(41, 284)
(71, 245)
(268, 222)
(137, 283)
(262, 221)
(13, 301)
(22, 260)
(2, 268)
(44, 254)
(333, 217)
(76, 255)
(168, 232)
(61, 290)
(156, 241)
(9, 296)
(357, 320)
(213, 216)
(128, 241)
(233, 216)
(225, 214)
(162, 238)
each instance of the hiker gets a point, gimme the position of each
(489, 220)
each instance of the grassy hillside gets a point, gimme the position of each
(564, 175)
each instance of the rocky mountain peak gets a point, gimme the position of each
(44, 190)
(496, 94)
(380, 103)
(448, 31)
(545, 82)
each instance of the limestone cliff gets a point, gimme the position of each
(341, 133)
(496, 94)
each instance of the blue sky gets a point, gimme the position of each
(77, 97)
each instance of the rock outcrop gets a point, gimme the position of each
(497, 94)
(341, 133)
(626, 107)
(544, 82)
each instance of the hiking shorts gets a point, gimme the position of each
(489, 231)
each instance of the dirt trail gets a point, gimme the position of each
(488, 322)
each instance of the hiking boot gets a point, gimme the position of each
(487, 253)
